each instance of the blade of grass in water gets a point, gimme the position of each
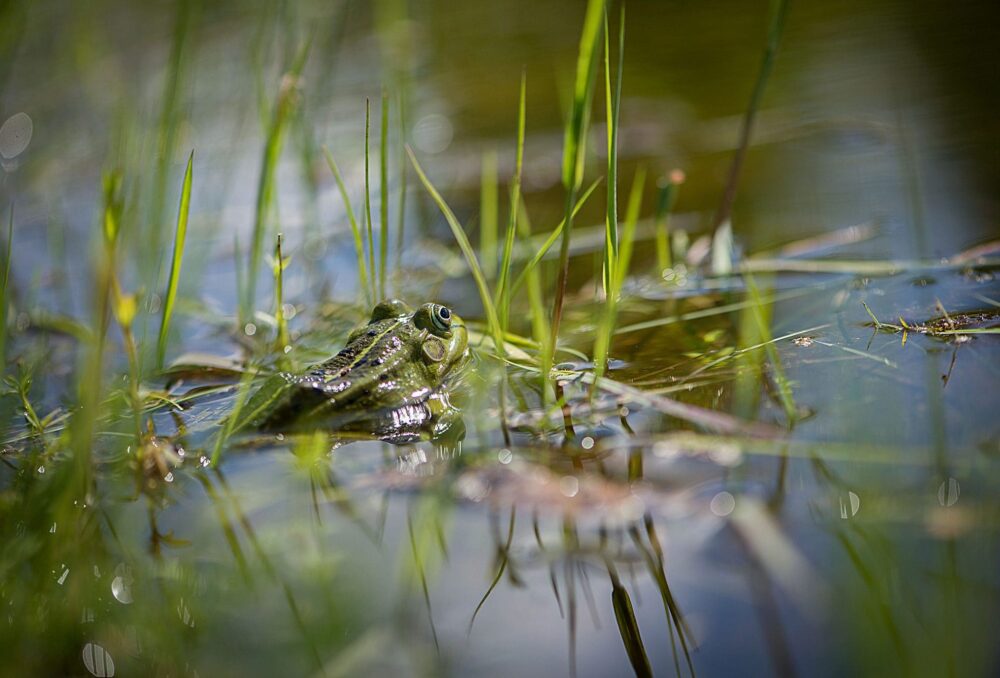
(368, 202)
(764, 331)
(282, 341)
(180, 234)
(612, 98)
(539, 318)
(401, 209)
(359, 246)
(285, 103)
(574, 150)
(383, 243)
(503, 289)
(777, 24)
(550, 241)
(602, 343)
(488, 214)
(470, 254)
(4, 302)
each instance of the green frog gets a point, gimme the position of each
(391, 380)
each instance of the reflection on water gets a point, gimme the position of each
(793, 471)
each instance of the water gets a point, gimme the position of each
(861, 540)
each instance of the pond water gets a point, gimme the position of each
(821, 502)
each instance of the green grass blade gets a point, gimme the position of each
(383, 243)
(368, 202)
(503, 290)
(284, 106)
(470, 254)
(550, 241)
(359, 246)
(612, 99)
(401, 209)
(779, 10)
(574, 141)
(489, 209)
(602, 343)
(180, 235)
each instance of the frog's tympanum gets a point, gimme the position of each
(391, 380)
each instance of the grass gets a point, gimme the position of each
(489, 214)
(492, 320)
(503, 290)
(574, 150)
(284, 105)
(619, 267)
(99, 459)
(613, 98)
(180, 236)
(383, 165)
(364, 281)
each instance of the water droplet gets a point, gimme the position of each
(849, 505)
(41, 469)
(432, 133)
(52, 530)
(722, 504)
(204, 461)
(569, 486)
(250, 329)
(98, 661)
(948, 492)
(587, 443)
(287, 349)
(62, 577)
(169, 477)
(505, 456)
(121, 588)
(15, 135)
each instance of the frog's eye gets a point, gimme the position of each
(441, 317)
(390, 308)
(433, 317)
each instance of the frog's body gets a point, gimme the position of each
(390, 380)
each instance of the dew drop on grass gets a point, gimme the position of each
(948, 492)
(587, 443)
(15, 135)
(122, 590)
(505, 456)
(849, 505)
(722, 504)
(569, 486)
(98, 661)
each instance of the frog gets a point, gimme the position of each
(392, 379)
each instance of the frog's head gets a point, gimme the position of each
(444, 346)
